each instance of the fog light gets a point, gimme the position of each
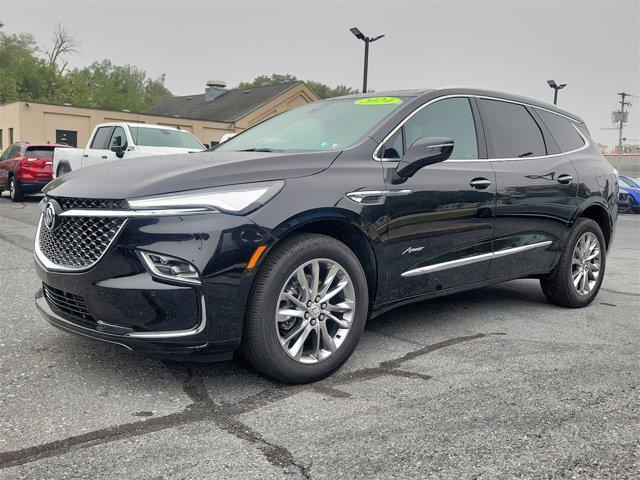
(170, 268)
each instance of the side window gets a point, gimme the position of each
(118, 138)
(10, 152)
(562, 130)
(393, 149)
(6, 153)
(101, 139)
(450, 118)
(511, 130)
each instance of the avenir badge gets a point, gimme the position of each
(378, 101)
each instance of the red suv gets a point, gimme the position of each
(26, 167)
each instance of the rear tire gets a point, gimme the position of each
(62, 169)
(289, 269)
(14, 191)
(577, 278)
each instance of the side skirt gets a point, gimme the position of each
(385, 307)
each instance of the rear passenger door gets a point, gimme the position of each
(98, 150)
(536, 189)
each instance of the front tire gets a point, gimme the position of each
(307, 310)
(15, 193)
(577, 278)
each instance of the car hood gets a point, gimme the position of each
(138, 177)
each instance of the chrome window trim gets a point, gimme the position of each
(573, 121)
(473, 259)
(54, 267)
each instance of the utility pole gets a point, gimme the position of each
(623, 95)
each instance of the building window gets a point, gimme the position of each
(11, 136)
(67, 137)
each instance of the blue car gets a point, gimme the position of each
(629, 196)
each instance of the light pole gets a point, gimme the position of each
(367, 40)
(556, 87)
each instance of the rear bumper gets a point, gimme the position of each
(31, 186)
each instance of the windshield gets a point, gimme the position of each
(628, 182)
(328, 125)
(162, 137)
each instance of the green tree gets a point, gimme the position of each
(23, 75)
(320, 89)
(113, 87)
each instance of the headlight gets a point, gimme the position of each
(233, 199)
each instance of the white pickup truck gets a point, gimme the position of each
(111, 141)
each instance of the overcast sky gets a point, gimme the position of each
(502, 45)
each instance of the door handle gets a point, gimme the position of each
(104, 156)
(480, 183)
(86, 155)
(564, 179)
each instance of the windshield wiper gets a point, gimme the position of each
(528, 154)
(261, 150)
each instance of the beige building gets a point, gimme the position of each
(208, 116)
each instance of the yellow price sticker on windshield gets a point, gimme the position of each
(378, 101)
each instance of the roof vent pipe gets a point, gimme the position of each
(214, 89)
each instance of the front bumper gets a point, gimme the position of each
(127, 306)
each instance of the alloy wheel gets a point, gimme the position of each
(586, 263)
(12, 188)
(315, 310)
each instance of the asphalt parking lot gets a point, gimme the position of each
(493, 383)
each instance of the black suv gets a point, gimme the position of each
(285, 239)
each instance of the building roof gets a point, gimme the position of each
(229, 107)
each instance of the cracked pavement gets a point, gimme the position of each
(491, 383)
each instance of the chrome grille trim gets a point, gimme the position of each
(56, 267)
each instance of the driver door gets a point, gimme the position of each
(439, 232)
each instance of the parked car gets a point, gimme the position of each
(624, 200)
(111, 141)
(286, 238)
(25, 168)
(631, 189)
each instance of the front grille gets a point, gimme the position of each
(77, 243)
(67, 302)
(623, 196)
(68, 203)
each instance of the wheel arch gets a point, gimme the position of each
(345, 226)
(598, 212)
(62, 163)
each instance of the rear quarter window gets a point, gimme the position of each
(563, 131)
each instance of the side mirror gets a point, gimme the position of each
(423, 152)
(117, 147)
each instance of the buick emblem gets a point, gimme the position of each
(50, 214)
